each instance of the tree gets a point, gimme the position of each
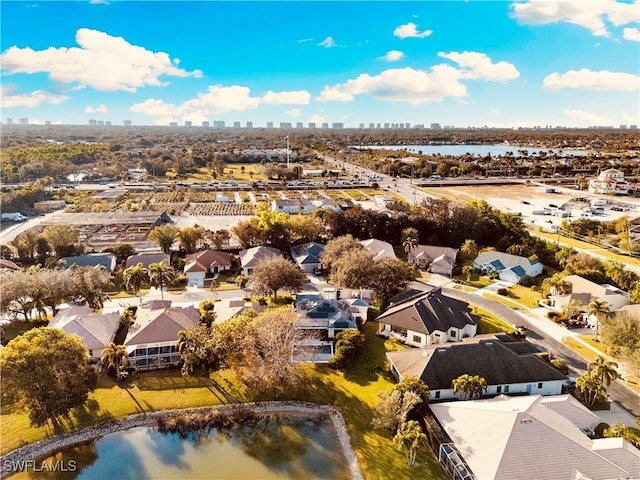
(218, 238)
(122, 251)
(621, 333)
(134, 277)
(409, 239)
(388, 277)
(349, 342)
(190, 238)
(337, 247)
(304, 228)
(470, 386)
(605, 370)
(207, 314)
(275, 273)
(410, 437)
(469, 249)
(598, 309)
(198, 349)
(88, 285)
(589, 389)
(353, 269)
(26, 244)
(164, 236)
(468, 270)
(414, 384)
(161, 275)
(113, 358)
(622, 431)
(555, 285)
(62, 238)
(47, 371)
(393, 408)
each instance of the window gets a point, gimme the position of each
(399, 330)
(499, 389)
(91, 353)
(417, 338)
(539, 385)
(452, 334)
(437, 394)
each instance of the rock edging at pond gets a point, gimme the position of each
(50, 445)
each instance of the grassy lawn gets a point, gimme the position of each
(590, 339)
(502, 299)
(353, 392)
(489, 323)
(580, 349)
(476, 280)
(525, 296)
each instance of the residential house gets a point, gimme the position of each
(292, 206)
(428, 318)
(8, 265)
(250, 257)
(95, 329)
(530, 438)
(583, 291)
(327, 316)
(609, 182)
(147, 258)
(439, 260)
(204, 264)
(151, 340)
(510, 268)
(507, 365)
(378, 248)
(106, 260)
(307, 256)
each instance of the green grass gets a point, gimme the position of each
(353, 392)
(504, 300)
(582, 350)
(590, 339)
(489, 323)
(525, 296)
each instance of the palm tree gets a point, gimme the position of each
(134, 277)
(469, 248)
(597, 308)
(410, 436)
(468, 270)
(113, 356)
(470, 386)
(164, 236)
(408, 244)
(605, 370)
(161, 275)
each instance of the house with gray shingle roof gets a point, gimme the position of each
(510, 268)
(151, 340)
(507, 365)
(307, 255)
(95, 329)
(147, 258)
(438, 259)
(106, 260)
(428, 318)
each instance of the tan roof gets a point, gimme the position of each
(202, 261)
(432, 252)
(95, 329)
(249, 258)
(9, 265)
(523, 438)
(157, 325)
(582, 285)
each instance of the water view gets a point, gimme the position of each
(481, 150)
(289, 449)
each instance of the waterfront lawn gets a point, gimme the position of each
(354, 393)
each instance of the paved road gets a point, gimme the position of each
(619, 393)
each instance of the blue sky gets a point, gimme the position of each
(495, 63)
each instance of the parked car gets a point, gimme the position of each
(317, 271)
(524, 202)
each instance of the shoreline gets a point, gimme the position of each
(50, 445)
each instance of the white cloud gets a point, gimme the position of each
(401, 85)
(589, 14)
(410, 30)
(296, 97)
(393, 56)
(586, 79)
(11, 99)
(305, 40)
(318, 119)
(477, 65)
(294, 112)
(99, 109)
(631, 34)
(587, 118)
(102, 62)
(327, 43)
(217, 99)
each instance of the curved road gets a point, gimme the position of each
(622, 395)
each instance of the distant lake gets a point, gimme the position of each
(298, 449)
(481, 150)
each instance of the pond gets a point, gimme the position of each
(291, 448)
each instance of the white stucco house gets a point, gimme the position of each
(201, 265)
(428, 318)
(507, 365)
(510, 268)
(379, 249)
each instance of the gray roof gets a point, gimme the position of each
(107, 260)
(485, 355)
(108, 218)
(95, 329)
(307, 253)
(429, 312)
(157, 323)
(502, 261)
(147, 258)
(250, 257)
(432, 252)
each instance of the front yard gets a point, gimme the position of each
(353, 392)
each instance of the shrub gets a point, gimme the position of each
(503, 291)
(349, 343)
